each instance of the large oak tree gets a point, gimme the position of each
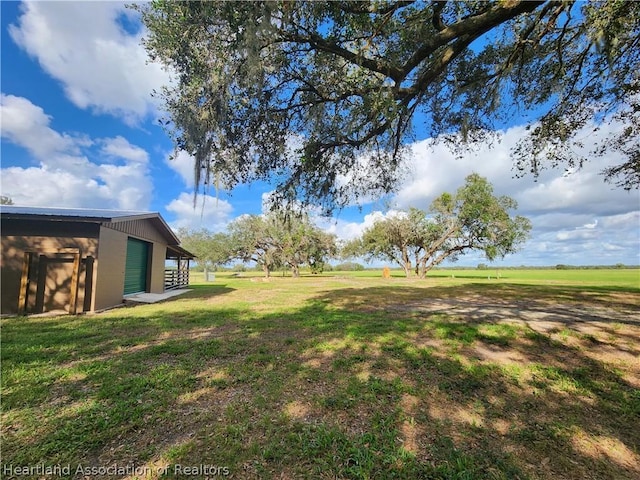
(322, 96)
(212, 250)
(471, 219)
(278, 239)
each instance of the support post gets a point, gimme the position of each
(74, 283)
(24, 283)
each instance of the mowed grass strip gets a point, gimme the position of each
(337, 377)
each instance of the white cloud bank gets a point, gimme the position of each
(577, 218)
(208, 212)
(116, 177)
(183, 164)
(100, 64)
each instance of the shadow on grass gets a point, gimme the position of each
(568, 304)
(208, 291)
(104, 332)
(349, 385)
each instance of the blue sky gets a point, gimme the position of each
(79, 129)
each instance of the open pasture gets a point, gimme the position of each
(532, 375)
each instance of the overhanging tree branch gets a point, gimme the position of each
(347, 79)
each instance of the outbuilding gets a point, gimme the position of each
(82, 260)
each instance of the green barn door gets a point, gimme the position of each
(135, 273)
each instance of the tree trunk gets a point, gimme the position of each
(265, 269)
(406, 262)
(295, 271)
(423, 268)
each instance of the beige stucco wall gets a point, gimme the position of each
(112, 256)
(112, 253)
(158, 256)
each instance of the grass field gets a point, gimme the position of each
(623, 278)
(535, 374)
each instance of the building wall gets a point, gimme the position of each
(158, 257)
(103, 257)
(143, 229)
(50, 277)
(112, 253)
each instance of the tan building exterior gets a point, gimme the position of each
(78, 260)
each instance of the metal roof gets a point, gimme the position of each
(87, 215)
(177, 250)
(84, 213)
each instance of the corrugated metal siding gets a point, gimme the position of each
(138, 228)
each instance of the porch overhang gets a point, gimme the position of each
(176, 252)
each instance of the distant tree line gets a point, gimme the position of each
(619, 266)
(560, 266)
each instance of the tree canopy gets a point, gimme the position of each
(322, 97)
(212, 250)
(277, 239)
(470, 219)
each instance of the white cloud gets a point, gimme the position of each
(208, 212)
(348, 230)
(40, 186)
(100, 64)
(576, 235)
(119, 147)
(129, 185)
(435, 169)
(182, 163)
(26, 124)
(342, 229)
(629, 220)
(65, 177)
(577, 218)
(571, 239)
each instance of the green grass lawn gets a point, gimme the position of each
(617, 278)
(532, 375)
